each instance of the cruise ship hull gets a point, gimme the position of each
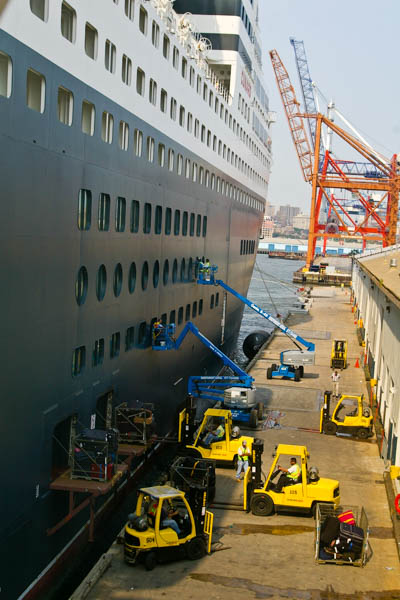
(43, 168)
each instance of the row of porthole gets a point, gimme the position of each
(141, 339)
(187, 271)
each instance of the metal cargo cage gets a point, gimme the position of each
(93, 459)
(360, 516)
(135, 425)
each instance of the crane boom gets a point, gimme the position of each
(295, 120)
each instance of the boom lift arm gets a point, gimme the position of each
(289, 358)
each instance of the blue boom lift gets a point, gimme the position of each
(292, 362)
(236, 392)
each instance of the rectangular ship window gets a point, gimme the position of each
(194, 310)
(198, 226)
(184, 223)
(189, 122)
(204, 226)
(180, 315)
(201, 175)
(35, 90)
(5, 75)
(200, 306)
(104, 212)
(65, 105)
(163, 101)
(172, 112)
(84, 209)
(168, 220)
(171, 159)
(212, 301)
(184, 67)
(135, 216)
(175, 58)
(115, 344)
(140, 81)
(191, 76)
(161, 155)
(138, 142)
(155, 34)
(40, 8)
(129, 338)
(177, 222)
(68, 22)
(166, 47)
(78, 361)
(179, 164)
(107, 127)
(143, 20)
(172, 316)
(182, 116)
(120, 214)
(147, 218)
(158, 220)
(123, 137)
(187, 168)
(98, 352)
(187, 312)
(91, 37)
(153, 92)
(126, 70)
(150, 149)
(192, 221)
(110, 56)
(130, 9)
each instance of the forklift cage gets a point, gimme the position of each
(360, 516)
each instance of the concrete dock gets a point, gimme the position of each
(273, 557)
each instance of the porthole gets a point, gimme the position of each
(101, 283)
(117, 280)
(132, 278)
(166, 272)
(175, 271)
(156, 273)
(183, 268)
(81, 286)
(145, 275)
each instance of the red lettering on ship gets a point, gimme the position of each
(246, 83)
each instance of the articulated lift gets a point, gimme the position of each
(148, 541)
(350, 415)
(300, 497)
(292, 362)
(236, 392)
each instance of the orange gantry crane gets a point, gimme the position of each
(327, 175)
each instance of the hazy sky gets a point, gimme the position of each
(353, 55)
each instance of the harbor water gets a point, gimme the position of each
(271, 288)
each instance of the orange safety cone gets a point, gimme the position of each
(357, 365)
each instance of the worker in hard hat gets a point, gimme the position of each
(243, 459)
(289, 476)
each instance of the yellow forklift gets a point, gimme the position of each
(151, 540)
(350, 415)
(339, 354)
(261, 498)
(223, 450)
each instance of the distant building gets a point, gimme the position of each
(268, 227)
(285, 214)
(301, 221)
(270, 210)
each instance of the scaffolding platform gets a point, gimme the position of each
(95, 488)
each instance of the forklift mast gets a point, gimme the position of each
(197, 499)
(188, 425)
(326, 407)
(257, 450)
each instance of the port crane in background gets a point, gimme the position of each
(235, 391)
(292, 362)
(380, 176)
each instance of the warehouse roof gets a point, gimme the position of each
(384, 269)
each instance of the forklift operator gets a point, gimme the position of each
(289, 476)
(215, 435)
